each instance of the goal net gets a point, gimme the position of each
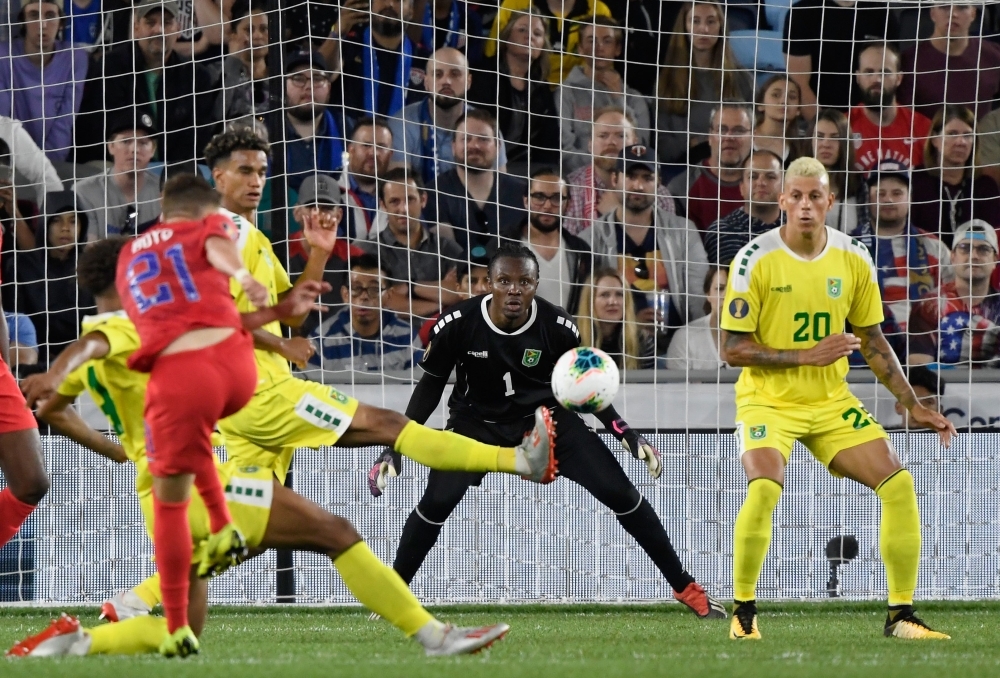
(634, 146)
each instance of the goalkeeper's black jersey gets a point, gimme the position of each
(500, 376)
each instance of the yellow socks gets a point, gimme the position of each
(899, 536)
(149, 591)
(132, 636)
(380, 589)
(752, 536)
(447, 451)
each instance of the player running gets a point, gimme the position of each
(286, 413)
(791, 291)
(503, 347)
(270, 515)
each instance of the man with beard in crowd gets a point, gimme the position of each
(882, 129)
(307, 134)
(369, 153)
(382, 69)
(564, 260)
(422, 138)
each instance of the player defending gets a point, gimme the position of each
(503, 347)
(271, 515)
(791, 292)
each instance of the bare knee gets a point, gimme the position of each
(32, 489)
(375, 426)
(338, 535)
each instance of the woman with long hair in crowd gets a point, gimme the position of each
(699, 72)
(779, 121)
(948, 190)
(832, 147)
(696, 345)
(606, 320)
(514, 86)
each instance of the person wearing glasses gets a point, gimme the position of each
(711, 190)
(127, 187)
(306, 131)
(564, 260)
(960, 325)
(363, 336)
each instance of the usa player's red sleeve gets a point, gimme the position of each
(220, 226)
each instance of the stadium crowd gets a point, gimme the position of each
(635, 146)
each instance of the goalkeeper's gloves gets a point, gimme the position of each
(638, 446)
(387, 465)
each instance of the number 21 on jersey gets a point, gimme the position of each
(147, 267)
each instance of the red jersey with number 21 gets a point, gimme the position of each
(168, 287)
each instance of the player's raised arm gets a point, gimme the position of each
(42, 387)
(883, 362)
(740, 349)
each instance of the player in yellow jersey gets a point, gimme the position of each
(267, 513)
(791, 293)
(285, 412)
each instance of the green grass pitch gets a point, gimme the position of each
(591, 641)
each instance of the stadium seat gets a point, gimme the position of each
(775, 11)
(759, 51)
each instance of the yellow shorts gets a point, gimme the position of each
(824, 429)
(249, 492)
(292, 413)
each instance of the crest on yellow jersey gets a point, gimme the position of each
(834, 287)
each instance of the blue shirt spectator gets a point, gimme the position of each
(85, 22)
(362, 337)
(23, 339)
(41, 81)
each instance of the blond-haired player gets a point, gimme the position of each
(792, 292)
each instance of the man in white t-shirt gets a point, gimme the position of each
(564, 260)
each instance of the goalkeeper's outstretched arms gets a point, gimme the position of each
(883, 362)
(631, 440)
(53, 408)
(423, 401)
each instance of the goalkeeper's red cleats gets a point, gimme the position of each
(63, 637)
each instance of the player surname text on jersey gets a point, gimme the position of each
(151, 238)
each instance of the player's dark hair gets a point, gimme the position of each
(97, 266)
(512, 250)
(399, 175)
(188, 195)
(238, 138)
(929, 379)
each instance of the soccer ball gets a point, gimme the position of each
(585, 380)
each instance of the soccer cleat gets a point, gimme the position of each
(225, 549)
(744, 624)
(63, 637)
(467, 640)
(902, 622)
(122, 606)
(537, 452)
(702, 604)
(180, 643)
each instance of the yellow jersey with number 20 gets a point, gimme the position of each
(787, 302)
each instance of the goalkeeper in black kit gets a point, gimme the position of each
(503, 346)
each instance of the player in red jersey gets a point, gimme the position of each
(174, 284)
(20, 450)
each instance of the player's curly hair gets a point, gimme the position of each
(240, 138)
(96, 268)
(512, 250)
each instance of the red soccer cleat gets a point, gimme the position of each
(702, 604)
(538, 449)
(63, 637)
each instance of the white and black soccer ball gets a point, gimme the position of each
(585, 379)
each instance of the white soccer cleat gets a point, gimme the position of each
(467, 640)
(536, 455)
(123, 605)
(63, 637)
